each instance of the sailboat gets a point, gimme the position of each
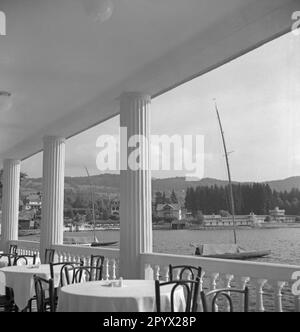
(228, 251)
(94, 242)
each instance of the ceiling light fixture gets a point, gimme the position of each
(99, 10)
(5, 100)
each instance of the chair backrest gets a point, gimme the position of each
(215, 295)
(25, 259)
(66, 272)
(185, 270)
(9, 258)
(41, 285)
(87, 274)
(13, 249)
(190, 289)
(49, 256)
(98, 261)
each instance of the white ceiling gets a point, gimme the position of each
(66, 72)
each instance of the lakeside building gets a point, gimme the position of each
(169, 211)
(247, 220)
(278, 215)
(26, 220)
(33, 201)
(115, 208)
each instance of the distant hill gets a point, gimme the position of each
(110, 184)
(286, 184)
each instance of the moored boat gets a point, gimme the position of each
(228, 251)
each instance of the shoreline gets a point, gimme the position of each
(168, 227)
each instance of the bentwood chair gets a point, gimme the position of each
(190, 288)
(44, 304)
(49, 256)
(183, 272)
(86, 274)
(66, 272)
(98, 261)
(64, 280)
(217, 294)
(24, 260)
(7, 301)
(13, 248)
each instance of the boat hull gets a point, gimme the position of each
(241, 256)
(103, 244)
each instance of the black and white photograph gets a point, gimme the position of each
(149, 159)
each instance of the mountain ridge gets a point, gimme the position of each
(110, 184)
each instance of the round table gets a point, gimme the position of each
(134, 296)
(20, 279)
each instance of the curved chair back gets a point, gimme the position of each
(24, 260)
(66, 272)
(191, 291)
(87, 274)
(41, 286)
(98, 261)
(215, 295)
(193, 272)
(49, 256)
(13, 248)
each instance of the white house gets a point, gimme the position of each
(169, 211)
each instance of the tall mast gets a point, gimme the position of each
(93, 203)
(229, 175)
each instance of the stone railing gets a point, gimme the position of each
(69, 253)
(270, 284)
(27, 247)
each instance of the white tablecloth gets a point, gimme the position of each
(134, 296)
(20, 278)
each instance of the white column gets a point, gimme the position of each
(136, 205)
(10, 203)
(52, 222)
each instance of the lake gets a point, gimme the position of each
(284, 242)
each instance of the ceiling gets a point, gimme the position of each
(66, 71)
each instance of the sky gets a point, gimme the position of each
(258, 97)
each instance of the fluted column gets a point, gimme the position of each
(53, 193)
(136, 205)
(10, 203)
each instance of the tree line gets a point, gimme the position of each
(258, 198)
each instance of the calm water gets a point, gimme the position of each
(284, 243)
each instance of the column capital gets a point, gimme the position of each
(132, 95)
(55, 139)
(11, 161)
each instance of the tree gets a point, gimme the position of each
(224, 213)
(173, 198)
(23, 176)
